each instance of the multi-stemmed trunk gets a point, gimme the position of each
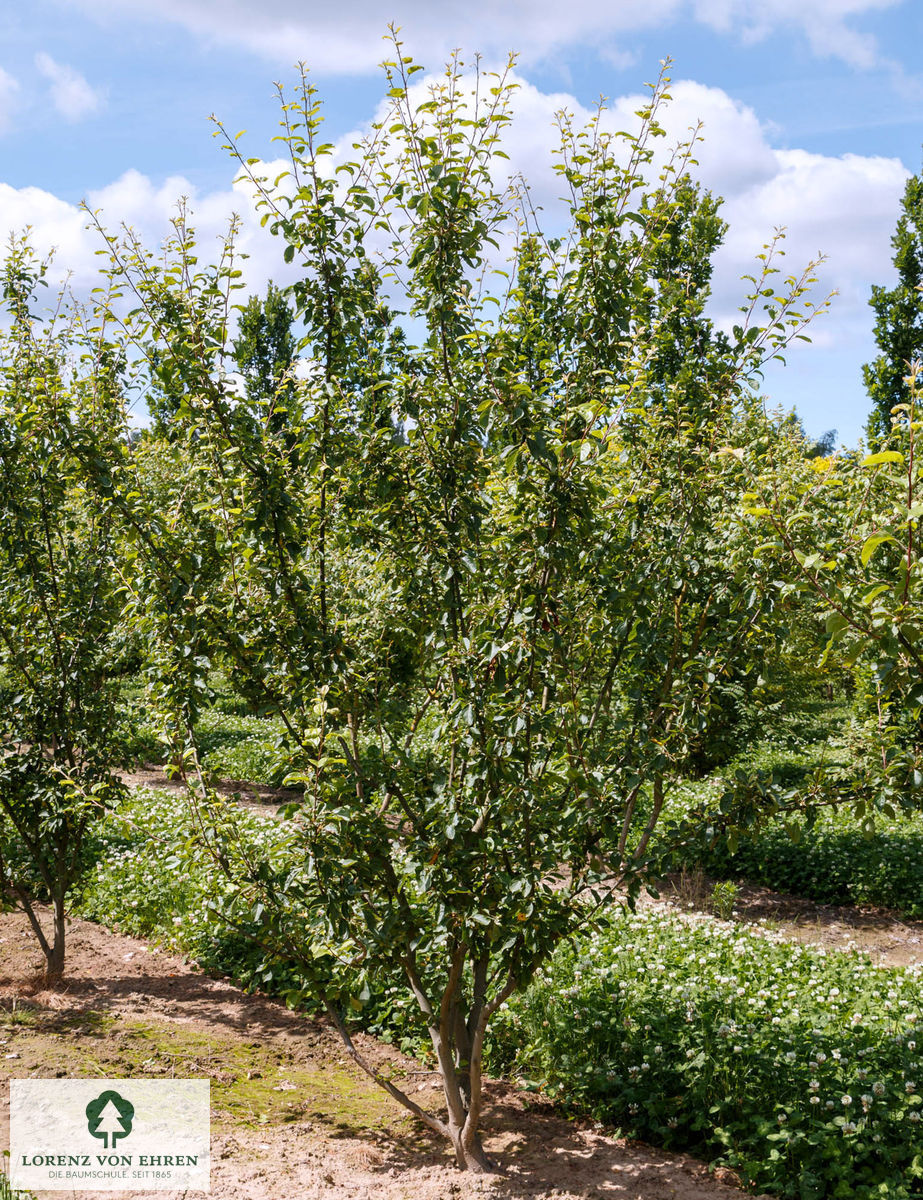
(457, 1029)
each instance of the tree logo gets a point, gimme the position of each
(109, 1117)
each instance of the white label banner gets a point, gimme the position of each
(110, 1134)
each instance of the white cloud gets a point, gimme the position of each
(8, 89)
(54, 224)
(71, 95)
(844, 207)
(59, 227)
(348, 38)
(825, 23)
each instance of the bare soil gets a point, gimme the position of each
(888, 938)
(259, 796)
(292, 1118)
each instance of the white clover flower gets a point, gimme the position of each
(846, 1101)
(913, 1117)
(848, 1127)
(814, 1085)
(910, 1086)
(878, 1089)
(829, 1104)
(815, 1099)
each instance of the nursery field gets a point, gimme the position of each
(793, 1066)
(425, 690)
(831, 855)
(768, 1045)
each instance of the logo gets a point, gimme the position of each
(109, 1135)
(109, 1117)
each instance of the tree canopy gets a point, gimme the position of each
(483, 564)
(483, 555)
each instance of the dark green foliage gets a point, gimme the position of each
(898, 317)
(265, 352)
(800, 1070)
(691, 358)
(835, 860)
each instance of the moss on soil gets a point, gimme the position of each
(253, 1083)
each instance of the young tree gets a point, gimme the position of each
(59, 610)
(491, 593)
(898, 317)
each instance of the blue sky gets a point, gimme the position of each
(812, 110)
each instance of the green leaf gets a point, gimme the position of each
(871, 544)
(883, 456)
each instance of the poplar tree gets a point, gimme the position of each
(898, 318)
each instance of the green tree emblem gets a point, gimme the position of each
(109, 1117)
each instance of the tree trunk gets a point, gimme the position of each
(54, 955)
(463, 1118)
(469, 1153)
